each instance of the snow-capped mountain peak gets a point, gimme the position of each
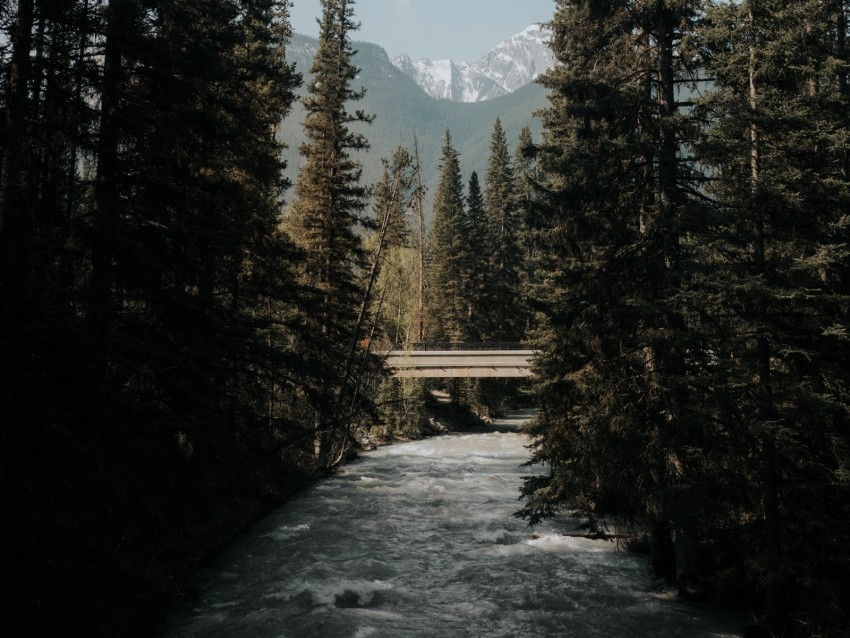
(509, 66)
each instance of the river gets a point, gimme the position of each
(418, 539)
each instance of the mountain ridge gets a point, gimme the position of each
(402, 108)
(510, 65)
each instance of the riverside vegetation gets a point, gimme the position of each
(189, 336)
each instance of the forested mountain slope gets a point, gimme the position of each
(401, 108)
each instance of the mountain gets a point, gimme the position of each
(512, 64)
(401, 108)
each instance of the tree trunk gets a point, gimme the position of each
(841, 41)
(38, 112)
(670, 366)
(662, 550)
(11, 188)
(395, 196)
(770, 489)
(106, 187)
(71, 200)
(418, 200)
(688, 570)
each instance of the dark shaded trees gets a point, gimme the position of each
(323, 222)
(14, 125)
(777, 246)
(617, 424)
(146, 296)
(186, 197)
(526, 178)
(694, 296)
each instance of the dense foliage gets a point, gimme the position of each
(691, 279)
(183, 347)
(324, 221)
(152, 326)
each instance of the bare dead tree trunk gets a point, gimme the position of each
(392, 203)
(418, 202)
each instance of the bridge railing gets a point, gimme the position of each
(458, 346)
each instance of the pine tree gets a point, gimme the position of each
(325, 215)
(477, 261)
(476, 276)
(525, 176)
(14, 125)
(503, 317)
(777, 246)
(447, 310)
(613, 372)
(145, 236)
(392, 195)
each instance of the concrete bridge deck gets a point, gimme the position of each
(460, 363)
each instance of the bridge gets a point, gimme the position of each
(461, 360)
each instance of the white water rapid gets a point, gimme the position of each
(418, 539)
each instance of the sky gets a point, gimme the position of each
(460, 30)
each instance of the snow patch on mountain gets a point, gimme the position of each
(506, 68)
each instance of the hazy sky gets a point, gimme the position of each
(461, 30)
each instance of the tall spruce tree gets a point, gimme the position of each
(476, 274)
(14, 124)
(503, 316)
(476, 260)
(446, 247)
(146, 258)
(324, 218)
(525, 176)
(616, 423)
(182, 254)
(775, 143)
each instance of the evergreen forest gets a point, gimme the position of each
(199, 274)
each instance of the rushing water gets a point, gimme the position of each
(418, 539)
